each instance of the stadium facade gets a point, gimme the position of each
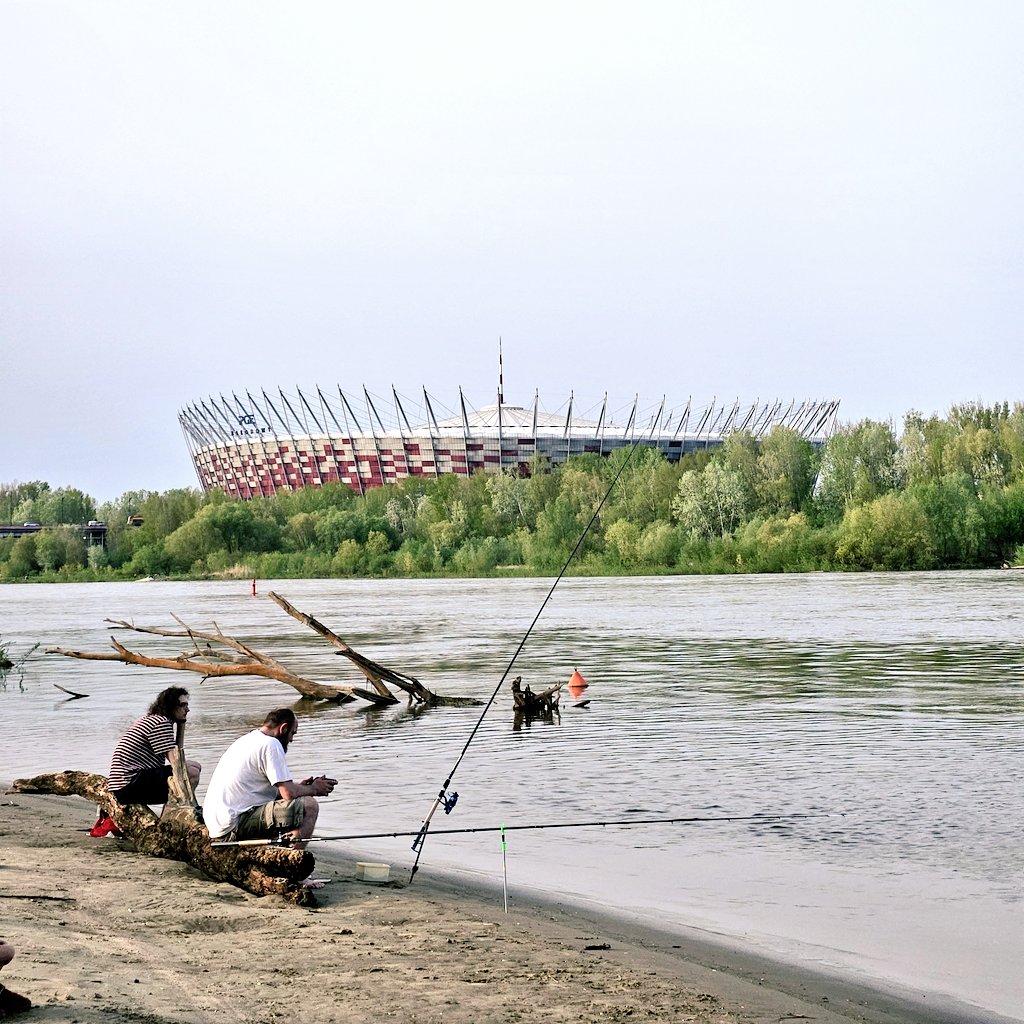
(248, 447)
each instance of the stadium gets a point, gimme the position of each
(250, 447)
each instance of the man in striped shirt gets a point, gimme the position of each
(139, 768)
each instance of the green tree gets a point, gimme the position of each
(891, 532)
(339, 524)
(741, 454)
(49, 550)
(17, 500)
(786, 467)
(659, 544)
(977, 451)
(782, 544)
(300, 534)
(58, 547)
(712, 502)
(622, 540)
(1003, 512)
(65, 505)
(22, 560)
(243, 527)
(404, 513)
(922, 445)
(163, 513)
(511, 498)
(348, 559)
(859, 463)
(151, 560)
(191, 542)
(645, 488)
(448, 531)
(957, 526)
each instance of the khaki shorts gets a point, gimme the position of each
(269, 819)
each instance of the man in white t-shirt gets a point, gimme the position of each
(251, 794)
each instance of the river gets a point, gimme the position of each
(884, 712)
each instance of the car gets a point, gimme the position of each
(36, 525)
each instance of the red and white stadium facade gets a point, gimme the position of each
(247, 446)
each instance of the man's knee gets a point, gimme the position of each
(310, 808)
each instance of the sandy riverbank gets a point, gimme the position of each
(103, 933)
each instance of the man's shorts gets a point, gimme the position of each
(269, 819)
(148, 787)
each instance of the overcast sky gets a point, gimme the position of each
(756, 200)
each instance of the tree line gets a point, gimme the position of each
(944, 492)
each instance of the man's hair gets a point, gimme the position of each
(166, 702)
(280, 716)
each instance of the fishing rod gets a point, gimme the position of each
(443, 798)
(288, 841)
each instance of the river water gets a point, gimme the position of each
(889, 706)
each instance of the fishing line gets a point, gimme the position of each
(442, 796)
(766, 818)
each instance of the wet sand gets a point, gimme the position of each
(104, 933)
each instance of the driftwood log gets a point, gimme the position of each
(214, 654)
(177, 835)
(528, 705)
(376, 674)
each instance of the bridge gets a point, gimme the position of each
(94, 533)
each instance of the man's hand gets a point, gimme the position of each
(321, 785)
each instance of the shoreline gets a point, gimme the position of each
(99, 929)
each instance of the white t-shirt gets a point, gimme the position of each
(246, 776)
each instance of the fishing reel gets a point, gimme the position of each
(444, 799)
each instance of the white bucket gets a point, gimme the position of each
(373, 872)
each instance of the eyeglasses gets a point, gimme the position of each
(182, 703)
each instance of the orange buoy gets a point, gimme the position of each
(577, 684)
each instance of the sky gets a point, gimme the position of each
(715, 199)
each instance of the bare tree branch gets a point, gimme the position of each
(226, 656)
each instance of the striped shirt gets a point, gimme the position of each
(143, 746)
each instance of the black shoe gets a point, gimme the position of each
(11, 1003)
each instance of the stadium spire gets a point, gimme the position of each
(501, 384)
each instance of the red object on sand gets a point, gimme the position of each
(104, 826)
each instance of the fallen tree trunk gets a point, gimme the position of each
(224, 656)
(178, 835)
(209, 662)
(375, 673)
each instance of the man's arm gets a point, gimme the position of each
(320, 786)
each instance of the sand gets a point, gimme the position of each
(103, 933)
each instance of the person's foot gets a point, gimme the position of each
(11, 1003)
(105, 826)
